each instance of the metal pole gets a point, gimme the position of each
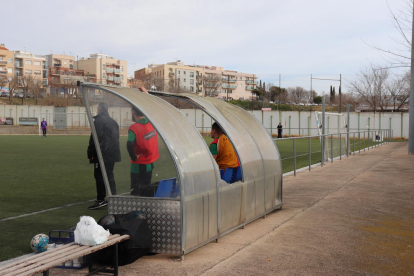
(354, 144)
(364, 141)
(411, 115)
(294, 157)
(323, 132)
(331, 148)
(347, 130)
(340, 146)
(310, 154)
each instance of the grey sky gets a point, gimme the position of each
(262, 37)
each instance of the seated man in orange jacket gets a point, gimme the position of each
(222, 149)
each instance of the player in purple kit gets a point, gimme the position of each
(43, 125)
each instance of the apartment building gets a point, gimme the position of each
(6, 63)
(207, 80)
(62, 71)
(107, 69)
(29, 65)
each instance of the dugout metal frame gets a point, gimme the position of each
(208, 208)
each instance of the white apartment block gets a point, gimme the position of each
(207, 80)
(29, 65)
(107, 69)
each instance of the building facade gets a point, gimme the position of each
(6, 63)
(107, 69)
(206, 80)
(30, 66)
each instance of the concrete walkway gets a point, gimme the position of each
(352, 217)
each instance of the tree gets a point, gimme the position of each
(298, 94)
(212, 84)
(317, 99)
(379, 89)
(278, 94)
(402, 21)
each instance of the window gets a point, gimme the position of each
(63, 62)
(192, 88)
(10, 60)
(184, 80)
(44, 82)
(29, 72)
(184, 72)
(36, 63)
(191, 81)
(241, 78)
(122, 68)
(28, 62)
(104, 66)
(1, 58)
(191, 74)
(37, 72)
(10, 70)
(179, 72)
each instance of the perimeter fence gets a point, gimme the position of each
(308, 151)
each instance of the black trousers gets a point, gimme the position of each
(100, 185)
(140, 182)
(279, 134)
(44, 131)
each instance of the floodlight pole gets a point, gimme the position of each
(411, 114)
(347, 130)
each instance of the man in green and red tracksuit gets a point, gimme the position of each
(142, 147)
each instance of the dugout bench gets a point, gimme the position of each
(44, 261)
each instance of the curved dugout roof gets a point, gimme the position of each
(197, 170)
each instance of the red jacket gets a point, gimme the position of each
(146, 146)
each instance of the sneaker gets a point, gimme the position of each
(98, 204)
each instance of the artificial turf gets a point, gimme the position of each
(38, 173)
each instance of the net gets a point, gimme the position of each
(336, 139)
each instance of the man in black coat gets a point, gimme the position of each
(107, 131)
(279, 130)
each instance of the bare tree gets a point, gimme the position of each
(212, 84)
(398, 91)
(402, 21)
(298, 94)
(378, 89)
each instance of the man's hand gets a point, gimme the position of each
(143, 89)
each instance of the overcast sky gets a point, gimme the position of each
(323, 37)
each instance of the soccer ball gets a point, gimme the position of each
(39, 243)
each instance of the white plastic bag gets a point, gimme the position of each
(88, 232)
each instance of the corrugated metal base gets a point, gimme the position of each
(164, 219)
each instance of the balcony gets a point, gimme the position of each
(250, 88)
(57, 65)
(171, 74)
(109, 70)
(229, 79)
(3, 72)
(229, 86)
(3, 62)
(18, 64)
(251, 82)
(117, 79)
(70, 66)
(117, 71)
(110, 78)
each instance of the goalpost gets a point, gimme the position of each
(336, 140)
(61, 121)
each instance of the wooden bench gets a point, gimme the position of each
(44, 261)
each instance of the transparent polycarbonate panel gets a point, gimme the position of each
(266, 145)
(113, 122)
(239, 135)
(195, 167)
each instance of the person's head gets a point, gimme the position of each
(216, 131)
(136, 114)
(280, 123)
(103, 107)
(43, 119)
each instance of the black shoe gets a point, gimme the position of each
(98, 204)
